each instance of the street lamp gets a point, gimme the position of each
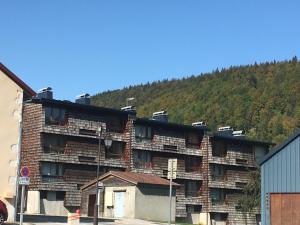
(107, 143)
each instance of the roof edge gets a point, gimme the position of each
(17, 80)
(278, 148)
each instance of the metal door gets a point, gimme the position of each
(119, 206)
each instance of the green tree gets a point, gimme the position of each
(250, 197)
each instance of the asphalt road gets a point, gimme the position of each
(117, 222)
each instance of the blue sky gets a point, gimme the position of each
(78, 46)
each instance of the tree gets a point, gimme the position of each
(250, 198)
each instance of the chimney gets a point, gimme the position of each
(161, 116)
(199, 124)
(129, 109)
(238, 133)
(45, 93)
(226, 131)
(84, 99)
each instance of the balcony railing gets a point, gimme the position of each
(54, 149)
(52, 179)
(143, 165)
(189, 194)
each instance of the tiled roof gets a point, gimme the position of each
(141, 178)
(134, 178)
(17, 80)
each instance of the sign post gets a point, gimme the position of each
(23, 181)
(172, 173)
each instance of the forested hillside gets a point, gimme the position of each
(262, 98)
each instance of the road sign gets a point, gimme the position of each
(24, 180)
(173, 175)
(25, 171)
(172, 168)
(172, 165)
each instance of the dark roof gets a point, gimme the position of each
(69, 104)
(17, 80)
(134, 178)
(152, 122)
(279, 147)
(241, 139)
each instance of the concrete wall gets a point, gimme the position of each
(129, 201)
(153, 204)
(52, 206)
(11, 97)
(280, 174)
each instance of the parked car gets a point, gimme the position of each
(3, 212)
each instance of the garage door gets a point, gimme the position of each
(285, 209)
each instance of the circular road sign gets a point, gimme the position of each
(25, 171)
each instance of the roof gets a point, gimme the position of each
(17, 80)
(69, 104)
(241, 139)
(134, 178)
(279, 147)
(152, 122)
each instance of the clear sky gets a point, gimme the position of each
(78, 46)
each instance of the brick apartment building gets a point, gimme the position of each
(60, 145)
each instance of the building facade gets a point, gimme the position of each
(280, 183)
(131, 195)
(61, 142)
(13, 92)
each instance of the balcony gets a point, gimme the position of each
(234, 158)
(231, 180)
(165, 144)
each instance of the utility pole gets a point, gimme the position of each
(96, 209)
(172, 172)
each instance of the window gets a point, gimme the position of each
(219, 149)
(170, 147)
(143, 132)
(240, 184)
(87, 132)
(192, 188)
(86, 159)
(52, 172)
(240, 148)
(142, 159)
(116, 151)
(217, 196)
(192, 140)
(192, 164)
(217, 171)
(115, 124)
(241, 161)
(55, 116)
(54, 144)
(52, 195)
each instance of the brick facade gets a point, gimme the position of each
(78, 156)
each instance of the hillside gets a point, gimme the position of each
(262, 98)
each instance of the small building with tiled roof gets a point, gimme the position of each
(130, 195)
(13, 91)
